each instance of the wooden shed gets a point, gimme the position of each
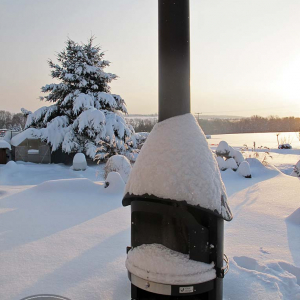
(27, 147)
(4, 148)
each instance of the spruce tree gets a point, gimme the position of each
(83, 116)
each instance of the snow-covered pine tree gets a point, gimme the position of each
(84, 115)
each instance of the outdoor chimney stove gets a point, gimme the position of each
(175, 225)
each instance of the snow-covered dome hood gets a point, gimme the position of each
(176, 163)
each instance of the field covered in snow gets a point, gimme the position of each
(62, 232)
(283, 159)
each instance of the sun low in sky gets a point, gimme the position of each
(245, 55)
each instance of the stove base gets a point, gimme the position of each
(142, 289)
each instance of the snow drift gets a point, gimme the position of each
(294, 218)
(114, 182)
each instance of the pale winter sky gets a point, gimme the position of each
(245, 54)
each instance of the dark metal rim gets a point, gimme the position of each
(128, 198)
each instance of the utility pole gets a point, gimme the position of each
(198, 117)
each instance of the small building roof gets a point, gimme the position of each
(4, 145)
(30, 133)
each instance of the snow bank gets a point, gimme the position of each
(158, 263)
(176, 163)
(120, 164)
(4, 145)
(79, 162)
(11, 165)
(75, 185)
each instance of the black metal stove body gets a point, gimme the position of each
(183, 228)
(176, 225)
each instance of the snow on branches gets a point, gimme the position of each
(84, 115)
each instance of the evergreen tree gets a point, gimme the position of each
(84, 115)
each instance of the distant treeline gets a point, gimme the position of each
(17, 121)
(142, 124)
(223, 126)
(252, 124)
(12, 121)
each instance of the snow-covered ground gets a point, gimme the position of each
(284, 162)
(62, 232)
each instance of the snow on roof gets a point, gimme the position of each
(158, 263)
(176, 163)
(33, 151)
(4, 145)
(30, 133)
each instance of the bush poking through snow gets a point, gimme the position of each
(120, 164)
(261, 152)
(233, 157)
(244, 169)
(79, 162)
(231, 164)
(221, 163)
(223, 149)
(114, 182)
(231, 152)
(238, 157)
(285, 146)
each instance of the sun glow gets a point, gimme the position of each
(289, 81)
